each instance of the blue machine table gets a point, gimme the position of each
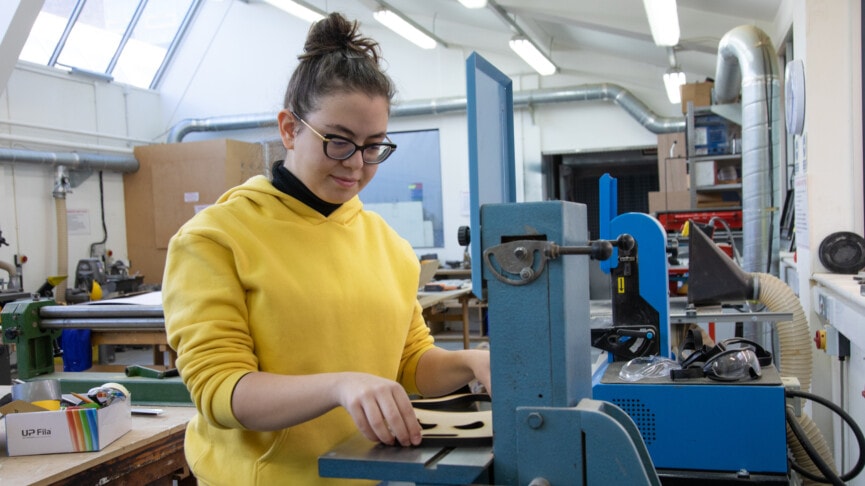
(359, 458)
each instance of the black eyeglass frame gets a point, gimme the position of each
(328, 137)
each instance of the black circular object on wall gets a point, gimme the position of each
(843, 252)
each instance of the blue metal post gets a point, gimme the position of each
(540, 331)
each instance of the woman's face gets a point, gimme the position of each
(355, 116)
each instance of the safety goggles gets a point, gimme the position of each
(730, 360)
(733, 365)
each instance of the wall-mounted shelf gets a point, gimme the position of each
(714, 159)
(720, 187)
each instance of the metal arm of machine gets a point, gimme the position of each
(518, 257)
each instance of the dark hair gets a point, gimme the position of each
(336, 58)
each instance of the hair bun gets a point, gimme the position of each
(336, 34)
(336, 59)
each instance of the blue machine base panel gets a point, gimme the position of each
(705, 425)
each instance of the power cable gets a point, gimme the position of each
(829, 475)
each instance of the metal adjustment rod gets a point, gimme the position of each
(518, 257)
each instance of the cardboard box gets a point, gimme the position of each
(672, 163)
(79, 430)
(704, 173)
(698, 93)
(669, 201)
(173, 182)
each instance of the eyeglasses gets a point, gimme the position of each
(341, 148)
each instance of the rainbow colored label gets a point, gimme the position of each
(83, 429)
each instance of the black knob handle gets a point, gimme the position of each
(625, 242)
(11, 334)
(464, 235)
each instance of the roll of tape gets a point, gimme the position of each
(31, 391)
(118, 387)
(48, 404)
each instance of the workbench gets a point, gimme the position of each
(150, 453)
(432, 307)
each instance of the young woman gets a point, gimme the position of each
(293, 311)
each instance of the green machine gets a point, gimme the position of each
(35, 324)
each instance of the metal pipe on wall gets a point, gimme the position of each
(589, 92)
(71, 160)
(747, 65)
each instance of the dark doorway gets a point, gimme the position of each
(575, 177)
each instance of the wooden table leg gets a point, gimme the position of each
(159, 463)
(464, 300)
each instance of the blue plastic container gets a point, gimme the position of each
(77, 351)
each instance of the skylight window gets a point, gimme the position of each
(129, 41)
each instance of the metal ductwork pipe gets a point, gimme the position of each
(747, 65)
(220, 124)
(70, 160)
(590, 92)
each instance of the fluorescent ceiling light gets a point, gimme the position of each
(673, 81)
(474, 3)
(534, 57)
(663, 21)
(404, 28)
(298, 9)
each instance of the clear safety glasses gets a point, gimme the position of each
(733, 365)
(730, 360)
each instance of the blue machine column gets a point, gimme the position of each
(539, 331)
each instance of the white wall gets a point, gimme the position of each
(829, 159)
(47, 112)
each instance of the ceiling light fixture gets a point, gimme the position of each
(673, 81)
(474, 3)
(405, 28)
(298, 9)
(663, 21)
(525, 45)
(674, 78)
(527, 50)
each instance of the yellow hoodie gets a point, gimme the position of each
(261, 282)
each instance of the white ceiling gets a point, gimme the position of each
(587, 36)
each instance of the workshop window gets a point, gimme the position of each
(127, 41)
(407, 189)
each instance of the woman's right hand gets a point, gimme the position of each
(380, 408)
